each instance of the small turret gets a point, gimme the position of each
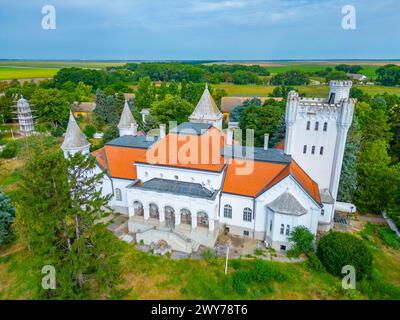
(74, 140)
(339, 90)
(207, 111)
(127, 124)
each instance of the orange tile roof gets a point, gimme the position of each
(264, 176)
(119, 161)
(201, 152)
(305, 181)
(250, 184)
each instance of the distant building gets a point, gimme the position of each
(83, 108)
(358, 77)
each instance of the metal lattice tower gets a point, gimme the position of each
(25, 117)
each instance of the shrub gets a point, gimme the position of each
(314, 263)
(57, 131)
(389, 237)
(10, 150)
(7, 214)
(302, 240)
(89, 131)
(209, 256)
(336, 250)
(260, 273)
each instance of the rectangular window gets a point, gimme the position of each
(305, 149)
(322, 212)
(270, 226)
(313, 150)
(325, 126)
(246, 233)
(282, 228)
(321, 151)
(283, 248)
(287, 230)
(308, 125)
(316, 126)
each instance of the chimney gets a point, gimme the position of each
(229, 136)
(162, 130)
(266, 139)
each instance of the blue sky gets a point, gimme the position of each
(200, 29)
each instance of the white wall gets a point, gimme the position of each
(262, 220)
(238, 204)
(316, 165)
(177, 202)
(210, 180)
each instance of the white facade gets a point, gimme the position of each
(316, 133)
(189, 207)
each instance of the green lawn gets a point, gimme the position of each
(153, 277)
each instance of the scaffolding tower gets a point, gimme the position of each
(25, 117)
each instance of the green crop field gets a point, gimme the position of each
(10, 69)
(318, 91)
(59, 64)
(9, 73)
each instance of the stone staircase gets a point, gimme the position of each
(176, 240)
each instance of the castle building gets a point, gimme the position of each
(189, 184)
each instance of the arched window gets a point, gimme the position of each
(316, 126)
(186, 216)
(325, 126)
(247, 212)
(287, 230)
(305, 149)
(321, 151)
(228, 211)
(313, 150)
(138, 207)
(308, 125)
(282, 228)
(153, 211)
(118, 194)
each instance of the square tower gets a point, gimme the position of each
(316, 132)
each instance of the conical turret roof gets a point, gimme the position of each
(74, 138)
(127, 119)
(206, 108)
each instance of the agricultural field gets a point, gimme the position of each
(275, 67)
(10, 69)
(317, 91)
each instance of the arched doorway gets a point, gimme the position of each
(169, 217)
(153, 211)
(202, 219)
(138, 208)
(186, 217)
